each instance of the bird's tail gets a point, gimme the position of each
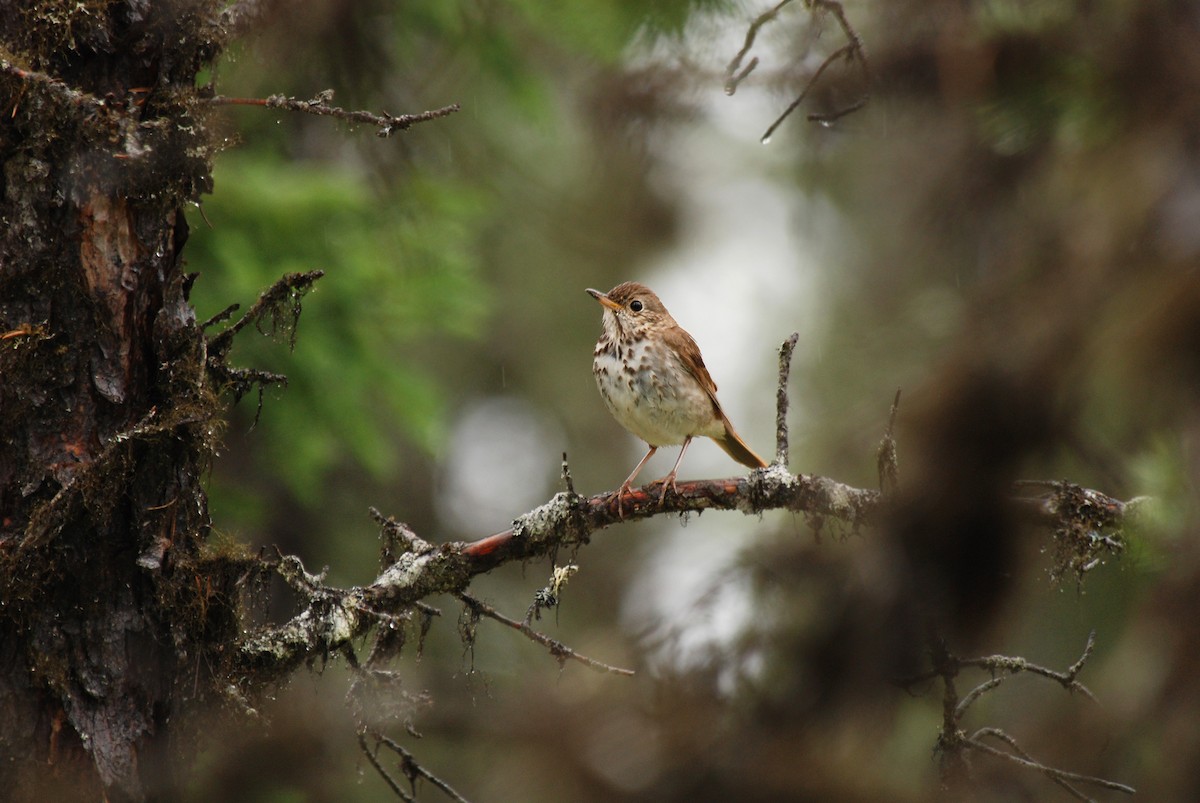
(736, 448)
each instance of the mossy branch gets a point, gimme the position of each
(333, 617)
(322, 105)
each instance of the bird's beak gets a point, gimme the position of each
(603, 299)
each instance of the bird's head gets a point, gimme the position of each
(631, 307)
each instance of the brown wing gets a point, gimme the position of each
(733, 445)
(689, 354)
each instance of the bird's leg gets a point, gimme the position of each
(627, 485)
(669, 480)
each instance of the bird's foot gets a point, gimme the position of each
(620, 494)
(668, 484)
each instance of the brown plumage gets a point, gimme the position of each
(654, 381)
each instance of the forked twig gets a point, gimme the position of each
(734, 75)
(408, 765)
(853, 50)
(1013, 665)
(953, 741)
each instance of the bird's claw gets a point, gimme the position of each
(668, 484)
(620, 494)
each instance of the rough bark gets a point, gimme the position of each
(105, 416)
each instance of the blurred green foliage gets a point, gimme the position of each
(398, 270)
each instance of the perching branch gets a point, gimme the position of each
(333, 617)
(322, 105)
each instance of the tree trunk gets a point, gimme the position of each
(105, 417)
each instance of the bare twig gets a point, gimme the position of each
(559, 650)
(221, 316)
(844, 50)
(734, 75)
(322, 105)
(1024, 760)
(412, 770)
(781, 399)
(379, 768)
(1013, 665)
(853, 50)
(566, 475)
(886, 456)
(976, 693)
(401, 532)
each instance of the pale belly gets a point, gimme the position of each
(658, 412)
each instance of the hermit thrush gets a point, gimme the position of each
(653, 379)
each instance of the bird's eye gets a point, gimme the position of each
(635, 305)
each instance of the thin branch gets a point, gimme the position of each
(1011, 742)
(559, 650)
(1013, 665)
(1024, 761)
(975, 693)
(734, 76)
(566, 475)
(566, 520)
(844, 50)
(833, 117)
(853, 50)
(413, 770)
(886, 456)
(322, 105)
(781, 399)
(288, 288)
(379, 768)
(221, 316)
